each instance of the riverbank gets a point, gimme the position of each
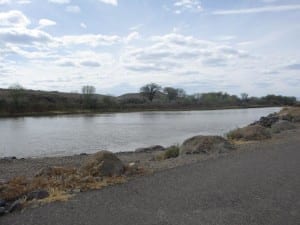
(131, 110)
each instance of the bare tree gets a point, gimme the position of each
(150, 90)
(172, 93)
(16, 92)
(244, 97)
(88, 96)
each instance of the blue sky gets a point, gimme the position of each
(117, 46)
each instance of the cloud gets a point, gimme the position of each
(187, 5)
(172, 51)
(23, 2)
(46, 22)
(13, 18)
(93, 40)
(279, 8)
(73, 9)
(295, 66)
(90, 63)
(111, 2)
(83, 25)
(3, 2)
(60, 1)
(132, 36)
(65, 63)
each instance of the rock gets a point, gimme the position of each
(267, 121)
(2, 203)
(9, 159)
(2, 211)
(39, 194)
(205, 144)
(16, 205)
(282, 125)
(250, 133)
(103, 163)
(83, 154)
(153, 148)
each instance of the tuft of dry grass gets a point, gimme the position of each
(59, 184)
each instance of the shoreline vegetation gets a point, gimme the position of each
(33, 182)
(17, 101)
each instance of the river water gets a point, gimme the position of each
(68, 135)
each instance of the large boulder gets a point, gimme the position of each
(282, 125)
(249, 133)
(153, 148)
(103, 163)
(205, 144)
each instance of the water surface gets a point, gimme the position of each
(68, 135)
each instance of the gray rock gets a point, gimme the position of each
(2, 203)
(267, 121)
(39, 194)
(205, 144)
(2, 211)
(16, 205)
(103, 163)
(153, 148)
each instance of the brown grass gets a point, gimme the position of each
(59, 184)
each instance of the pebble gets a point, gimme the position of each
(16, 205)
(2, 203)
(2, 211)
(39, 194)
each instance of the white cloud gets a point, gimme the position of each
(187, 5)
(83, 25)
(111, 2)
(3, 2)
(73, 9)
(46, 22)
(279, 8)
(13, 18)
(60, 1)
(132, 36)
(90, 40)
(23, 2)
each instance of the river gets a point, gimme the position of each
(74, 134)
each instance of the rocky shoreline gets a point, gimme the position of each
(125, 165)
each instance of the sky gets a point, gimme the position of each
(232, 46)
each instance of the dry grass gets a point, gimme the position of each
(59, 184)
(249, 133)
(290, 113)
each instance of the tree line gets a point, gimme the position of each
(18, 100)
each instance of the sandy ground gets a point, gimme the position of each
(258, 184)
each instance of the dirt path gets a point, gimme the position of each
(258, 186)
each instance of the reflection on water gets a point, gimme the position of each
(72, 134)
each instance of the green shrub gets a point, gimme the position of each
(170, 152)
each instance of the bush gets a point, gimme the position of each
(249, 133)
(170, 152)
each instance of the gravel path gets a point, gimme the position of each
(258, 186)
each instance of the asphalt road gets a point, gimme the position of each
(260, 186)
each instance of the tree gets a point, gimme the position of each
(88, 90)
(171, 93)
(244, 97)
(16, 92)
(88, 96)
(150, 90)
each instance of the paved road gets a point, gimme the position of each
(255, 187)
